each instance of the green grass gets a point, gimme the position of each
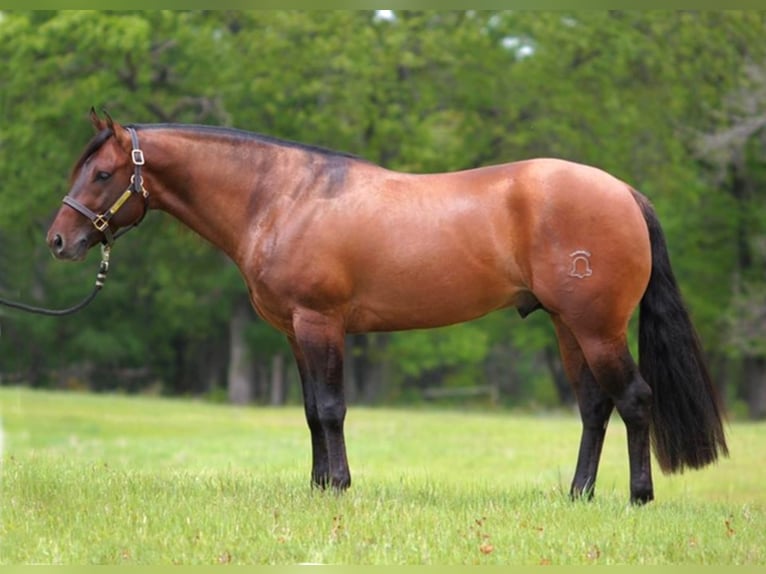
(125, 480)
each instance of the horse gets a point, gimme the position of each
(329, 244)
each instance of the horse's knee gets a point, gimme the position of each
(331, 411)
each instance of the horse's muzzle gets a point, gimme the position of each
(64, 249)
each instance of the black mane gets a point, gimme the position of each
(242, 134)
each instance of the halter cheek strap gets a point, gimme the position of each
(101, 220)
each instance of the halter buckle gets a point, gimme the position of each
(137, 155)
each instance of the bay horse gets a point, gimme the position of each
(330, 244)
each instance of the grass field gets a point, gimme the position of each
(126, 480)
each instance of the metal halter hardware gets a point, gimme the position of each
(101, 220)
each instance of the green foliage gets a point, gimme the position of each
(420, 351)
(629, 91)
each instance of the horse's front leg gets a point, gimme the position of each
(320, 465)
(318, 349)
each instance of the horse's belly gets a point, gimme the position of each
(420, 302)
(444, 274)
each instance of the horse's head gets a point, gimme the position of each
(100, 200)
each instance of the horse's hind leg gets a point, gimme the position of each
(595, 408)
(616, 374)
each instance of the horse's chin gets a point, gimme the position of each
(79, 255)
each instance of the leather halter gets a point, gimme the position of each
(101, 220)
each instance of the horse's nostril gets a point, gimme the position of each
(58, 243)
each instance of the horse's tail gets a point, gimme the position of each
(687, 430)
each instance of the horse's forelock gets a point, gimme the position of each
(93, 146)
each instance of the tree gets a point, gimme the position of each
(648, 96)
(733, 157)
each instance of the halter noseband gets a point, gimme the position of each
(101, 220)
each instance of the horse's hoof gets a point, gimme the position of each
(641, 497)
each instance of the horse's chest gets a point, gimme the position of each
(270, 308)
(280, 290)
(267, 298)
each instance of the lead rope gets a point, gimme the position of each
(103, 269)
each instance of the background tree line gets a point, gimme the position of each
(672, 102)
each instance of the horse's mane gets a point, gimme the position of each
(235, 133)
(103, 136)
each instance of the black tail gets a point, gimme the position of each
(687, 430)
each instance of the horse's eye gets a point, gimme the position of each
(103, 175)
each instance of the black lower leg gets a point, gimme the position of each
(325, 369)
(617, 376)
(634, 408)
(320, 464)
(332, 414)
(595, 409)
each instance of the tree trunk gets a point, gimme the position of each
(278, 390)
(365, 368)
(241, 367)
(754, 374)
(213, 365)
(560, 381)
(355, 347)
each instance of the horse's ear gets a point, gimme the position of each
(97, 122)
(120, 134)
(109, 120)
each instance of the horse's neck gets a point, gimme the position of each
(218, 188)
